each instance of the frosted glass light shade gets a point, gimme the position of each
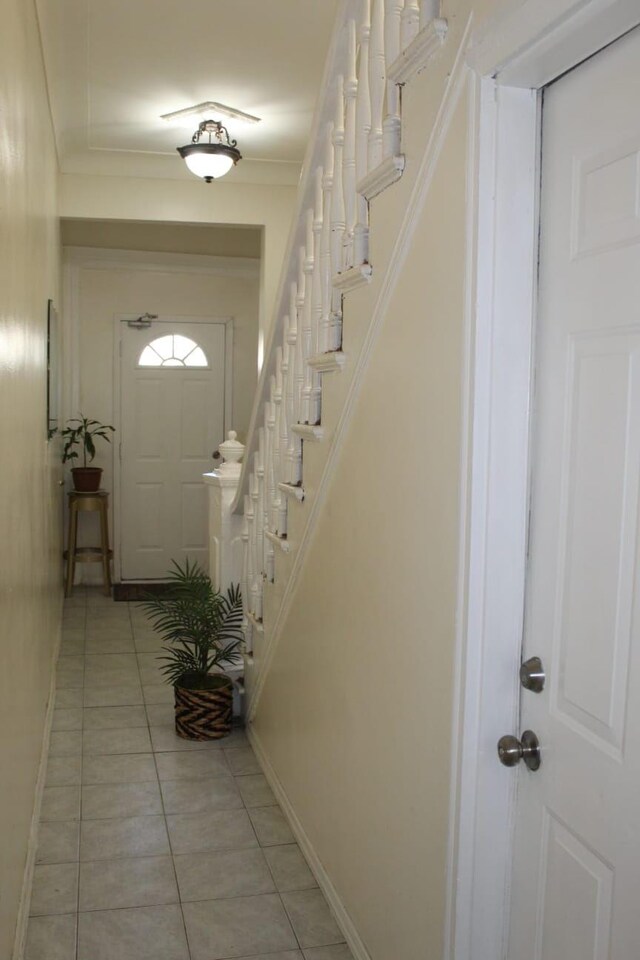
(209, 161)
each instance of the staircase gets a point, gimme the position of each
(313, 359)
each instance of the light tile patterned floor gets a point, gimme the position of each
(152, 847)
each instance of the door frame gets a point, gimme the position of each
(118, 320)
(510, 59)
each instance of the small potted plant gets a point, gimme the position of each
(80, 432)
(202, 629)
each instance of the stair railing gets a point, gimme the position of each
(354, 152)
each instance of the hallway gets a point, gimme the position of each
(151, 846)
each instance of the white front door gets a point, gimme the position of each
(172, 419)
(576, 871)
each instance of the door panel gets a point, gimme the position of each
(149, 509)
(600, 468)
(149, 437)
(578, 926)
(172, 420)
(195, 420)
(576, 870)
(607, 209)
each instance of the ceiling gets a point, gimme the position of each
(113, 66)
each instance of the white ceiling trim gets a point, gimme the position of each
(113, 69)
(108, 258)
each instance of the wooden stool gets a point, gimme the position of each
(80, 503)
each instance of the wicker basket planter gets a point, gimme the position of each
(204, 714)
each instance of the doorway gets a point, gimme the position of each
(576, 868)
(517, 57)
(174, 391)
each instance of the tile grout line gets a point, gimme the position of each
(166, 827)
(293, 930)
(84, 653)
(84, 680)
(225, 749)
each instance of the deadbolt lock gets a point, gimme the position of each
(511, 750)
(532, 675)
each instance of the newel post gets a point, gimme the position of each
(225, 528)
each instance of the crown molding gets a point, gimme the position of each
(108, 258)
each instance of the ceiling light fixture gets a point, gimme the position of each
(212, 159)
(209, 108)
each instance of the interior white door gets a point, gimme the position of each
(576, 872)
(172, 419)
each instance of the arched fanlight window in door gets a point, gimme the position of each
(173, 350)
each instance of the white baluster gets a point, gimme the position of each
(301, 288)
(267, 566)
(313, 305)
(363, 129)
(246, 574)
(429, 10)
(296, 305)
(313, 346)
(253, 552)
(282, 438)
(376, 83)
(338, 212)
(269, 485)
(294, 450)
(269, 562)
(392, 17)
(349, 150)
(304, 328)
(325, 248)
(245, 583)
(285, 433)
(410, 22)
(278, 395)
(338, 221)
(259, 523)
(271, 453)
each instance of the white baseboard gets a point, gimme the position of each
(338, 909)
(25, 898)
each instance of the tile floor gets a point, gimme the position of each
(152, 847)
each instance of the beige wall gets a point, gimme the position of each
(213, 241)
(355, 716)
(129, 198)
(29, 521)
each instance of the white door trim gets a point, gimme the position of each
(513, 56)
(118, 320)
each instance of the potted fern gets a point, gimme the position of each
(202, 630)
(81, 432)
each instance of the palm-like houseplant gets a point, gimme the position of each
(202, 631)
(81, 432)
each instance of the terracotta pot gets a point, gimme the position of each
(204, 714)
(86, 479)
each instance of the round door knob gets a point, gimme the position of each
(532, 675)
(511, 750)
